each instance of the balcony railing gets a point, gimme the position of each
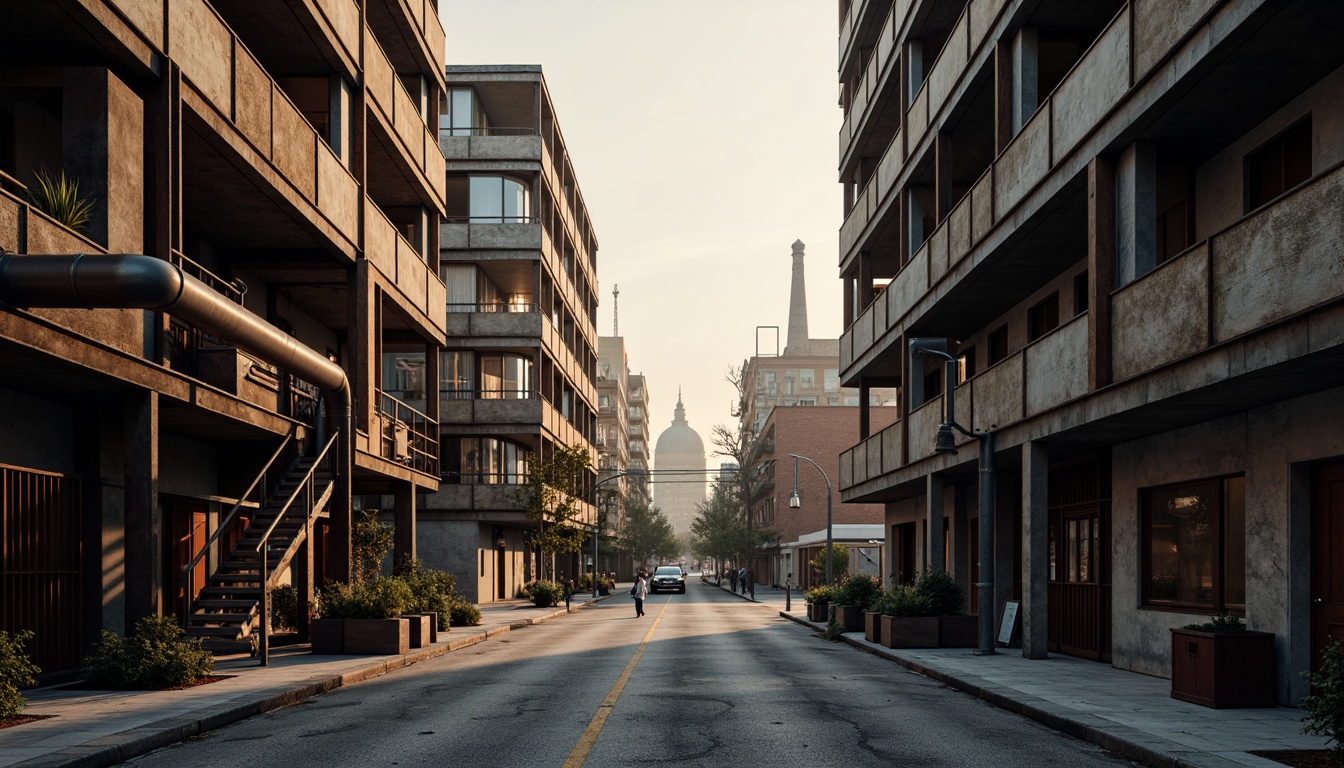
(409, 437)
(461, 393)
(453, 477)
(490, 219)
(492, 130)
(495, 307)
(234, 289)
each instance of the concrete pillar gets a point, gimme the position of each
(1003, 95)
(1136, 212)
(942, 176)
(914, 224)
(1026, 81)
(933, 529)
(144, 526)
(1007, 525)
(403, 544)
(1035, 549)
(960, 559)
(1100, 268)
(913, 70)
(103, 129)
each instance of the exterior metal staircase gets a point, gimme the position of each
(227, 612)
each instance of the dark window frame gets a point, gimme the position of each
(998, 345)
(1257, 162)
(1043, 317)
(1218, 603)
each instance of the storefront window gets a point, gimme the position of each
(1195, 545)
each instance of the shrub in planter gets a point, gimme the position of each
(463, 614)
(1324, 707)
(859, 590)
(432, 591)
(380, 597)
(545, 594)
(822, 594)
(285, 607)
(155, 655)
(942, 592)
(902, 600)
(16, 671)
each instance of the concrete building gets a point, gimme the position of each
(272, 170)
(622, 442)
(1123, 219)
(805, 376)
(519, 263)
(682, 483)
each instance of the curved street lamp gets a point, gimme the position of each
(795, 503)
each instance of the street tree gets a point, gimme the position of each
(646, 534)
(746, 449)
(719, 530)
(839, 560)
(553, 497)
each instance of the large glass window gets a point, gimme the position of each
(484, 461)
(498, 200)
(457, 374)
(832, 380)
(460, 113)
(1195, 545)
(506, 377)
(404, 377)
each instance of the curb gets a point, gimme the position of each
(120, 747)
(1124, 741)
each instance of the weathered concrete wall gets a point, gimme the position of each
(187, 467)
(1096, 83)
(36, 432)
(1056, 366)
(452, 546)
(1149, 327)
(1265, 444)
(1160, 24)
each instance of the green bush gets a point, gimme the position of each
(285, 607)
(154, 656)
(824, 593)
(942, 592)
(381, 597)
(370, 541)
(544, 594)
(902, 600)
(16, 671)
(1324, 708)
(1224, 622)
(461, 614)
(432, 591)
(860, 589)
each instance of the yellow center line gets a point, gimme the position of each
(580, 753)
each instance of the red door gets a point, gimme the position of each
(186, 530)
(1327, 558)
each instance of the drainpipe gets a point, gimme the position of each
(136, 281)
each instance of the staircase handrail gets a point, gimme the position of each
(260, 479)
(306, 485)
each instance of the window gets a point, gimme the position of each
(933, 378)
(807, 379)
(998, 344)
(1043, 318)
(1194, 554)
(457, 377)
(460, 113)
(1173, 231)
(1278, 166)
(831, 380)
(506, 377)
(498, 200)
(484, 461)
(1080, 293)
(966, 365)
(404, 377)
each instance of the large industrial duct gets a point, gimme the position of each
(136, 281)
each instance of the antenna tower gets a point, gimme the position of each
(615, 310)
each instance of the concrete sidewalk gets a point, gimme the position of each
(1128, 713)
(98, 728)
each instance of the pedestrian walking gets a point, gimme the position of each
(742, 578)
(639, 591)
(569, 593)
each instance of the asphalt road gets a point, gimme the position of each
(705, 679)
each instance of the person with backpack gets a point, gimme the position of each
(639, 591)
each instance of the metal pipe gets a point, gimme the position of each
(137, 281)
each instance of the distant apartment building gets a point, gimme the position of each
(622, 442)
(272, 186)
(516, 379)
(1122, 220)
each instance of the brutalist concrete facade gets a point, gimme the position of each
(1122, 218)
(285, 156)
(519, 259)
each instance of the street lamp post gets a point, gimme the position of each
(795, 503)
(946, 443)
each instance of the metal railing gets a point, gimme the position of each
(495, 307)
(453, 477)
(233, 290)
(500, 219)
(309, 492)
(487, 394)
(259, 485)
(408, 436)
(489, 130)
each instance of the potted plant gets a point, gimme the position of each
(946, 598)
(853, 598)
(819, 601)
(370, 615)
(926, 614)
(1222, 664)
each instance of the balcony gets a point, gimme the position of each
(411, 33)
(493, 143)
(406, 436)
(489, 233)
(400, 262)
(403, 134)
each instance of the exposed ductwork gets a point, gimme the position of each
(136, 281)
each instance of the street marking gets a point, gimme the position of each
(580, 753)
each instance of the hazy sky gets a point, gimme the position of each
(703, 134)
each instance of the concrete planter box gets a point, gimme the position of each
(818, 612)
(382, 637)
(849, 617)
(328, 635)
(958, 631)
(1223, 670)
(910, 631)
(872, 626)
(418, 629)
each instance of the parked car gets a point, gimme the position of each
(668, 578)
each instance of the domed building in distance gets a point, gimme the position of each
(679, 448)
